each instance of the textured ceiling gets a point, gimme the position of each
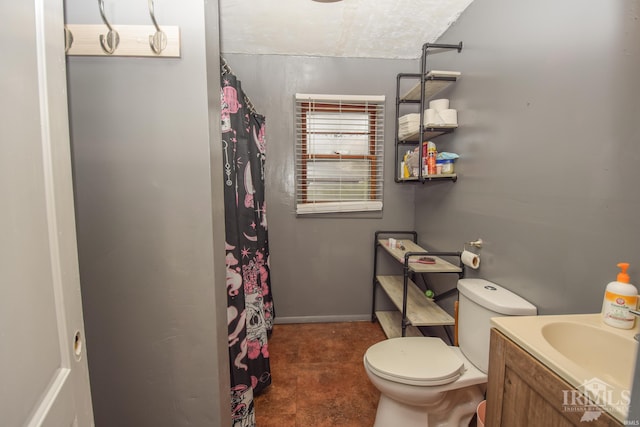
(348, 28)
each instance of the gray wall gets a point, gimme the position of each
(548, 107)
(549, 147)
(150, 222)
(547, 174)
(547, 189)
(321, 267)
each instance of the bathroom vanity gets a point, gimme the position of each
(541, 367)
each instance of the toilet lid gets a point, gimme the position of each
(425, 361)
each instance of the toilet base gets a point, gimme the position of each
(456, 409)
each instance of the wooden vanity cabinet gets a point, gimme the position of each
(523, 392)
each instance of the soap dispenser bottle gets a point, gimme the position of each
(619, 297)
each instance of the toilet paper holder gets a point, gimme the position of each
(475, 243)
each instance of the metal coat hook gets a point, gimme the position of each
(68, 39)
(109, 42)
(157, 41)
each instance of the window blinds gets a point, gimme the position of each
(339, 153)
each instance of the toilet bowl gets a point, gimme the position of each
(423, 381)
(429, 384)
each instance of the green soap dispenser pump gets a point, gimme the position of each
(619, 297)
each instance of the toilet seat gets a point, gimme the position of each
(421, 361)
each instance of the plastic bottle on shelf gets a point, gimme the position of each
(432, 153)
(447, 166)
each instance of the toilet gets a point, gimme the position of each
(423, 381)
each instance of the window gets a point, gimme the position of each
(339, 153)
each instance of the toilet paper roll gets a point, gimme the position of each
(449, 117)
(439, 104)
(470, 259)
(431, 117)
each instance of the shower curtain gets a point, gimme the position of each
(250, 311)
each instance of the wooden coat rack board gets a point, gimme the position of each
(134, 41)
(123, 40)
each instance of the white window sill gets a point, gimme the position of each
(337, 207)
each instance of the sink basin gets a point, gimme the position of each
(584, 344)
(582, 350)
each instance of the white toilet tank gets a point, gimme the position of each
(479, 301)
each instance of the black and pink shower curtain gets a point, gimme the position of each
(250, 305)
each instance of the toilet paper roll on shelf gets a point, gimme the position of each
(449, 116)
(439, 104)
(470, 259)
(431, 117)
(440, 117)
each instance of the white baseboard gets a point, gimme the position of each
(322, 319)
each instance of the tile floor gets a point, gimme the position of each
(318, 379)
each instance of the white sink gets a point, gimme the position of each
(584, 344)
